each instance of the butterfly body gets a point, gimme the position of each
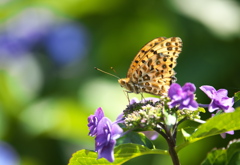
(151, 71)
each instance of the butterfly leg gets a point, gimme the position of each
(142, 97)
(126, 94)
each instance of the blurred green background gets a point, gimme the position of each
(48, 51)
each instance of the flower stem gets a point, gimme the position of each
(172, 151)
(203, 105)
(170, 138)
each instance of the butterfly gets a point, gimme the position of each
(151, 71)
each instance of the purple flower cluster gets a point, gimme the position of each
(65, 41)
(219, 99)
(93, 121)
(183, 97)
(106, 132)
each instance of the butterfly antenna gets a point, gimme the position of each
(114, 71)
(106, 72)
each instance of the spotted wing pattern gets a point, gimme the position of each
(151, 71)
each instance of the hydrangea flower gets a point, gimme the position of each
(73, 37)
(107, 133)
(182, 96)
(152, 135)
(93, 121)
(219, 99)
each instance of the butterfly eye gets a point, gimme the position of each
(122, 82)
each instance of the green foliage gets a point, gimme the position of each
(136, 138)
(216, 125)
(216, 157)
(236, 96)
(228, 156)
(71, 8)
(122, 154)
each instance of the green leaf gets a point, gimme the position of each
(185, 134)
(136, 138)
(216, 125)
(216, 157)
(236, 96)
(234, 152)
(229, 156)
(122, 154)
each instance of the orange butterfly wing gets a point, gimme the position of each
(151, 70)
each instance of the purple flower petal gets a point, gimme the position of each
(208, 90)
(219, 99)
(152, 135)
(107, 133)
(93, 121)
(222, 92)
(116, 131)
(182, 96)
(107, 151)
(134, 100)
(120, 118)
(223, 135)
(153, 99)
(189, 87)
(174, 90)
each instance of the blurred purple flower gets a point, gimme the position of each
(120, 118)
(93, 121)
(152, 135)
(107, 133)
(182, 96)
(30, 25)
(134, 100)
(11, 46)
(24, 30)
(219, 99)
(67, 43)
(8, 155)
(153, 99)
(223, 135)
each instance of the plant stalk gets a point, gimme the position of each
(172, 151)
(170, 138)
